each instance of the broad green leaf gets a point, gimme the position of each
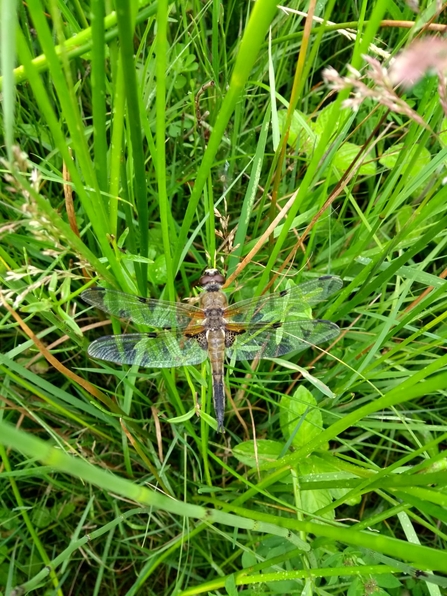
(387, 581)
(356, 588)
(230, 585)
(183, 417)
(328, 469)
(324, 389)
(301, 136)
(324, 117)
(68, 320)
(389, 158)
(404, 214)
(248, 559)
(443, 134)
(274, 547)
(42, 517)
(157, 271)
(300, 417)
(346, 154)
(43, 305)
(313, 500)
(266, 450)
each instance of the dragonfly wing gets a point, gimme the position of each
(144, 311)
(271, 341)
(159, 350)
(282, 305)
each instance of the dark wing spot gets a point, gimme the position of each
(151, 335)
(201, 340)
(230, 336)
(276, 325)
(283, 293)
(123, 314)
(229, 339)
(322, 277)
(142, 300)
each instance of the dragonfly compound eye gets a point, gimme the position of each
(211, 277)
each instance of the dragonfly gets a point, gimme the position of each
(265, 326)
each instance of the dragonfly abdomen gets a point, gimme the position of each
(216, 353)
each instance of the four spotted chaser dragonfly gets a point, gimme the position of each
(263, 327)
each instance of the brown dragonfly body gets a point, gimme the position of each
(214, 302)
(262, 327)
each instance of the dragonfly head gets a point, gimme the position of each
(212, 280)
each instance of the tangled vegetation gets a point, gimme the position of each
(144, 144)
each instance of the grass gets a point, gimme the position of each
(330, 478)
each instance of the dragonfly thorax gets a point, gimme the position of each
(213, 303)
(214, 318)
(212, 313)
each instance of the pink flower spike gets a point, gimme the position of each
(420, 57)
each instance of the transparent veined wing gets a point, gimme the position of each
(144, 311)
(159, 350)
(285, 304)
(271, 341)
